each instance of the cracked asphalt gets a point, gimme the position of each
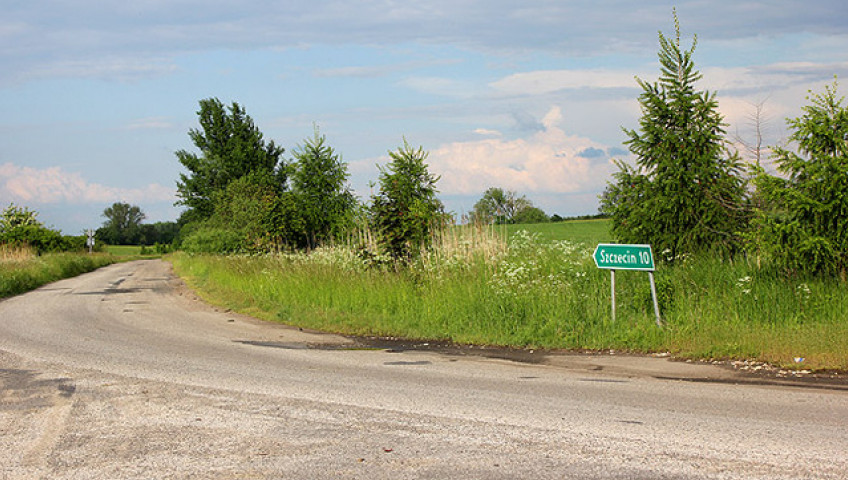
(122, 373)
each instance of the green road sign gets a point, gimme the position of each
(624, 257)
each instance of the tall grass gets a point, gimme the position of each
(22, 272)
(16, 253)
(476, 288)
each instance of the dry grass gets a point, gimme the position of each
(16, 253)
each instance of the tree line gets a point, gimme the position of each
(241, 195)
(690, 192)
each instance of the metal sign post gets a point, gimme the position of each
(613, 256)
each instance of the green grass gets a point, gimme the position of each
(19, 276)
(128, 252)
(543, 292)
(590, 232)
(124, 250)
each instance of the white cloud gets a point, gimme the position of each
(54, 185)
(35, 37)
(776, 76)
(548, 161)
(487, 132)
(548, 81)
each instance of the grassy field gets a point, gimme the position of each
(132, 251)
(589, 232)
(541, 290)
(23, 271)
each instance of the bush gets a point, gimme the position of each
(42, 239)
(207, 239)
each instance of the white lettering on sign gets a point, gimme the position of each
(620, 259)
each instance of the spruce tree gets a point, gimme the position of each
(319, 184)
(405, 212)
(685, 193)
(803, 225)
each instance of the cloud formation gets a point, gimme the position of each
(54, 185)
(548, 81)
(139, 37)
(546, 161)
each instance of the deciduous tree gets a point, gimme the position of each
(231, 146)
(122, 225)
(499, 206)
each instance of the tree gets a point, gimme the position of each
(757, 122)
(405, 211)
(163, 233)
(241, 220)
(499, 206)
(122, 225)
(319, 185)
(685, 193)
(231, 146)
(803, 223)
(531, 214)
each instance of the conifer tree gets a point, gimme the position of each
(405, 212)
(685, 193)
(321, 191)
(803, 225)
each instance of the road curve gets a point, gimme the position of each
(121, 374)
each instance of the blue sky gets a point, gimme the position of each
(527, 95)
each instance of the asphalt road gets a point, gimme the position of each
(121, 373)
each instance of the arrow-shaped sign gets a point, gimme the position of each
(616, 256)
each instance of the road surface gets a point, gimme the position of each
(121, 373)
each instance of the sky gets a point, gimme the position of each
(525, 95)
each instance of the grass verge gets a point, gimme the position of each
(540, 294)
(27, 273)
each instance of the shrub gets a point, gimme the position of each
(208, 239)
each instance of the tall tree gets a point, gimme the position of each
(405, 211)
(803, 223)
(319, 184)
(231, 146)
(122, 225)
(686, 192)
(499, 206)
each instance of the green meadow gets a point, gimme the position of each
(536, 286)
(123, 250)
